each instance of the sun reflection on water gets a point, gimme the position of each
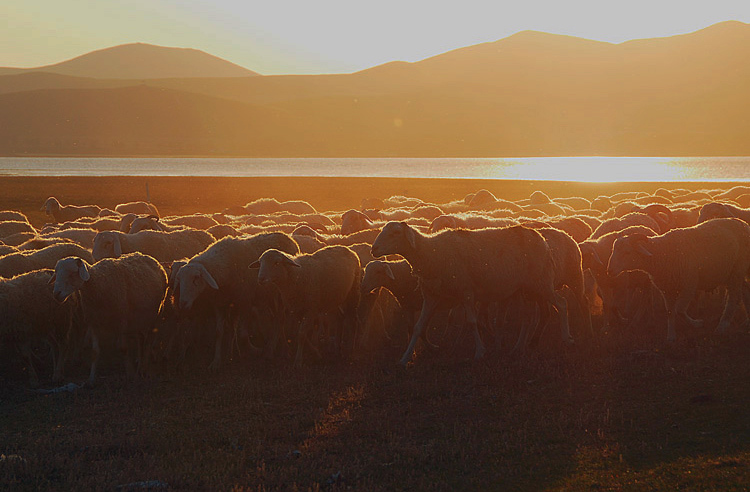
(596, 169)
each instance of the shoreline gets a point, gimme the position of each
(183, 195)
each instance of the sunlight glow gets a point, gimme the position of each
(596, 169)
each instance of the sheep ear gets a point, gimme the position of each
(208, 278)
(255, 264)
(83, 272)
(389, 272)
(52, 279)
(640, 247)
(411, 236)
(118, 246)
(291, 261)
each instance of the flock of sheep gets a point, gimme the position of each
(280, 278)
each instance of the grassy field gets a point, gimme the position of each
(629, 413)
(623, 416)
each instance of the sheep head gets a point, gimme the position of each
(51, 206)
(377, 275)
(70, 275)
(396, 238)
(191, 281)
(106, 245)
(274, 267)
(629, 253)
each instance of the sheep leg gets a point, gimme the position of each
(471, 318)
(95, 352)
(734, 296)
(540, 319)
(303, 339)
(561, 304)
(25, 350)
(681, 305)
(429, 305)
(221, 320)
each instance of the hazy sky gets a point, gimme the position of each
(325, 36)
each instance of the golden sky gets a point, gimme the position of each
(330, 36)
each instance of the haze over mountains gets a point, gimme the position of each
(531, 94)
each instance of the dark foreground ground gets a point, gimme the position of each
(628, 414)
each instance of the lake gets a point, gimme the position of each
(590, 169)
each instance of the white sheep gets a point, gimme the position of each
(120, 298)
(263, 206)
(25, 261)
(164, 246)
(459, 267)
(220, 275)
(68, 213)
(683, 261)
(13, 215)
(10, 227)
(716, 210)
(139, 208)
(618, 224)
(313, 286)
(83, 237)
(29, 314)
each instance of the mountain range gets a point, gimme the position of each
(530, 94)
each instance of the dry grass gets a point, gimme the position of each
(622, 416)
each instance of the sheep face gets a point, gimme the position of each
(628, 253)
(106, 245)
(70, 275)
(377, 274)
(274, 267)
(394, 239)
(145, 223)
(192, 280)
(51, 206)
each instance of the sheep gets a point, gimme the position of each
(715, 210)
(682, 261)
(468, 221)
(223, 230)
(567, 261)
(465, 267)
(732, 193)
(100, 224)
(578, 228)
(126, 221)
(595, 254)
(25, 261)
(68, 213)
(12, 215)
(18, 238)
(119, 297)
(139, 208)
(195, 221)
(574, 202)
(7, 249)
(83, 237)
(617, 224)
(41, 242)
(164, 246)
(366, 236)
(29, 314)
(313, 286)
(685, 216)
(220, 275)
(106, 212)
(10, 227)
(263, 206)
(150, 223)
(354, 221)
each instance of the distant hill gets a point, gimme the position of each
(142, 61)
(531, 94)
